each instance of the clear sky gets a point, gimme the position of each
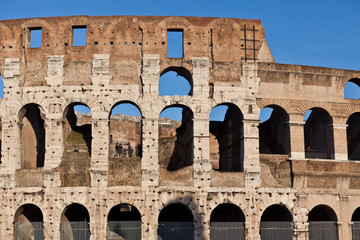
(308, 32)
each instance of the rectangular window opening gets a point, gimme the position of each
(79, 36)
(175, 39)
(35, 37)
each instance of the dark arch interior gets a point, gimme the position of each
(230, 139)
(318, 134)
(274, 133)
(356, 215)
(124, 212)
(353, 136)
(176, 147)
(276, 213)
(29, 213)
(227, 213)
(322, 213)
(175, 213)
(76, 213)
(180, 72)
(32, 136)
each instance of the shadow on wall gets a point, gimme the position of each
(229, 146)
(32, 137)
(182, 155)
(76, 133)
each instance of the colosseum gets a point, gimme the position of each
(292, 176)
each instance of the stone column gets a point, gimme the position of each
(150, 74)
(340, 141)
(202, 166)
(150, 160)
(252, 224)
(55, 70)
(99, 149)
(52, 185)
(150, 140)
(100, 123)
(300, 223)
(54, 142)
(200, 77)
(297, 141)
(11, 146)
(251, 153)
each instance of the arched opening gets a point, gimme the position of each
(353, 136)
(352, 89)
(322, 223)
(75, 223)
(32, 136)
(226, 138)
(124, 222)
(125, 131)
(227, 223)
(355, 227)
(28, 223)
(176, 223)
(175, 81)
(77, 145)
(318, 134)
(125, 145)
(276, 223)
(176, 135)
(274, 131)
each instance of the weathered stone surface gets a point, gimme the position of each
(59, 159)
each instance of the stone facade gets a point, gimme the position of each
(229, 63)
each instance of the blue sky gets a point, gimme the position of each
(309, 32)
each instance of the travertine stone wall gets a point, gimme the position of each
(124, 57)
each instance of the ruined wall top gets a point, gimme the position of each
(127, 39)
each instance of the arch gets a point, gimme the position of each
(75, 222)
(77, 124)
(225, 36)
(355, 227)
(352, 89)
(173, 82)
(124, 222)
(274, 132)
(77, 137)
(28, 223)
(6, 33)
(322, 223)
(125, 129)
(356, 215)
(353, 136)
(227, 222)
(276, 223)
(318, 134)
(125, 144)
(32, 136)
(177, 137)
(227, 139)
(176, 222)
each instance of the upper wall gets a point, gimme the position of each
(126, 39)
(297, 82)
